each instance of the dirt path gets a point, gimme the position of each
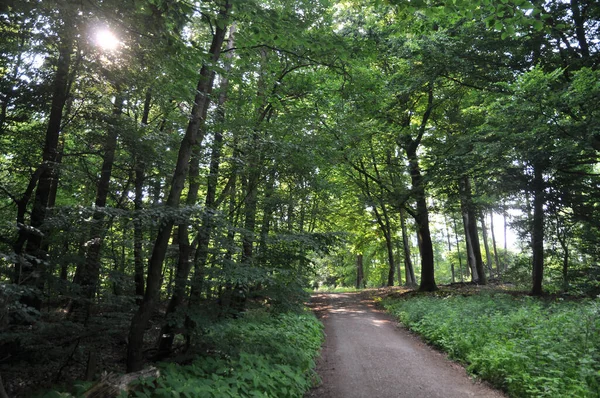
(367, 355)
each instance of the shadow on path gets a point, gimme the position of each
(367, 355)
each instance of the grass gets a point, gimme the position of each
(526, 346)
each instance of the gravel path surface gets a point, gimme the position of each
(367, 355)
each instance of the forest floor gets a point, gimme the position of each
(366, 354)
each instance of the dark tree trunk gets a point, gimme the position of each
(538, 231)
(210, 204)
(192, 138)
(580, 29)
(359, 272)
(505, 262)
(498, 272)
(471, 233)
(408, 266)
(398, 269)
(422, 221)
(421, 213)
(486, 246)
(89, 276)
(460, 269)
(268, 210)
(138, 231)
(383, 221)
(31, 272)
(449, 248)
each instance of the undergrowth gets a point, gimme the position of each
(526, 346)
(260, 355)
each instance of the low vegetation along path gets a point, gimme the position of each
(367, 355)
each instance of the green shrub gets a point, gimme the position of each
(259, 355)
(526, 346)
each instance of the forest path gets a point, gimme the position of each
(366, 354)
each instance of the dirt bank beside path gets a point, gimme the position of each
(367, 355)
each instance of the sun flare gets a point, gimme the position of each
(106, 39)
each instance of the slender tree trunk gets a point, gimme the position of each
(471, 234)
(359, 271)
(408, 266)
(31, 273)
(565, 268)
(486, 246)
(268, 209)
(538, 231)
(392, 267)
(449, 248)
(88, 278)
(384, 224)
(138, 231)
(460, 268)
(398, 269)
(192, 138)
(505, 262)
(210, 203)
(494, 244)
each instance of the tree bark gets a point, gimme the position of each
(498, 272)
(505, 262)
(138, 232)
(359, 271)
(538, 231)
(30, 272)
(580, 29)
(449, 248)
(422, 221)
(88, 277)
(268, 209)
(192, 138)
(486, 246)
(471, 234)
(460, 269)
(408, 266)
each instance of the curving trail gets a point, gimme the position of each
(367, 355)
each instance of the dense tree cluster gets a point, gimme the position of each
(222, 154)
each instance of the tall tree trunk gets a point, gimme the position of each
(538, 231)
(359, 271)
(421, 214)
(398, 269)
(449, 248)
(408, 266)
(268, 210)
(565, 268)
(88, 277)
(471, 234)
(498, 272)
(210, 203)
(192, 138)
(422, 221)
(384, 224)
(138, 232)
(31, 273)
(486, 246)
(460, 268)
(505, 262)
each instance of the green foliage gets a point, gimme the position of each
(529, 347)
(258, 355)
